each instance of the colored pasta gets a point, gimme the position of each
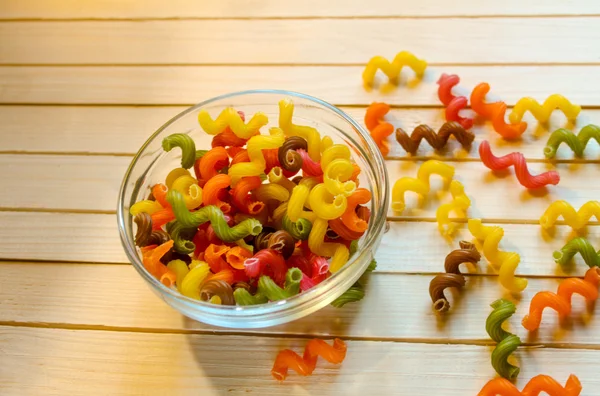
(459, 205)
(453, 277)
(306, 364)
(453, 103)
(420, 185)
(517, 160)
(507, 343)
(187, 146)
(577, 143)
(506, 262)
(392, 70)
(436, 140)
(224, 235)
(575, 219)
(561, 301)
(577, 245)
(535, 386)
(495, 112)
(229, 117)
(379, 128)
(542, 112)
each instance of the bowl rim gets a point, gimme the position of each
(296, 302)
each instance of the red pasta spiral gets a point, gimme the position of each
(255, 265)
(453, 103)
(309, 167)
(240, 195)
(306, 364)
(517, 160)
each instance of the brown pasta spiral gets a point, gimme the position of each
(218, 288)
(243, 285)
(261, 241)
(289, 159)
(144, 229)
(282, 242)
(436, 140)
(453, 277)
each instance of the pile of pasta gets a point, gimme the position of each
(259, 217)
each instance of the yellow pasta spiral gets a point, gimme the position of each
(229, 117)
(420, 185)
(507, 262)
(338, 252)
(189, 188)
(310, 134)
(576, 219)
(325, 205)
(459, 205)
(257, 163)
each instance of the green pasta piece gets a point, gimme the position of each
(181, 237)
(577, 245)
(355, 293)
(200, 153)
(507, 342)
(353, 248)
(269, 288)
(187, 145)
(215, 216)
(372, 265)
(500, 357)
(577, 143)
(243, 297)
(299, 230)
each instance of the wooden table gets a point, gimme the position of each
(83, 84)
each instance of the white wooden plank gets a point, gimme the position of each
(335, 84)
(115, 296)
(50, 9)
(302, 41)
(50, 361)
(122, 130)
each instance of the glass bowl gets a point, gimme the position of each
(151, 165)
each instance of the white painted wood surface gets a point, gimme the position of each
(83, 84)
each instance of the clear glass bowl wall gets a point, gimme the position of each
(151, 165)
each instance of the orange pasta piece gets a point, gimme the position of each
(561, 301)
(338, 226)
(168, 278)
(535, 386)
(232, 151)
(271, 159)
(227, 138)
(225, 275)
(380, 134)
(375, 113)
(162, 217)
(209, 165)
(350, 219)
(214, 257)
(305, 365)
(212, 191)
(159, 191)
(152, 259)
(241, 156)
(241, 198)
(355, 173)
(236, 257)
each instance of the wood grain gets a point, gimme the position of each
(396, 307)
(299, 41)
(123, 130)
(336, 84)
(94, 238)
(74, 9)
(209, 364)
(91, 183)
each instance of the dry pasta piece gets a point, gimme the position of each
(337, 177)
(350, 218)
(190, 287)
(420, 185)
(561, 301)
(575, 219)
(192, 192)
(145, 206)
(325, 205)
(306, 364)
(255, 265)
(535, 386)
(338, 226)
(542, 112)
(257, 163)
(229, 117)
(459, 205)
(214, 257)
(310, 134)
(237, 255)
(507, 262)
(338, 252)
(159, 192)
(214, 190)
(174, 175)
(299, 198)
(217, 291)
(162, 217)
(211, 163)
(240, 195)
(152, 262)
(393, 69)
